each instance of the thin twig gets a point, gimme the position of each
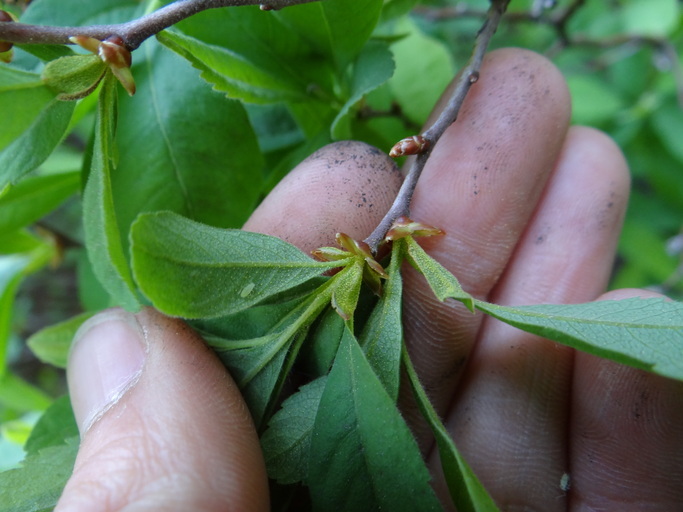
(468, 76)
(133, 33)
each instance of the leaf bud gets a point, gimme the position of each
(404, 226)
(410, 146)
(113, 52)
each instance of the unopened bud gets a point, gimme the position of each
(113, 52)
(404, 226)
(410, 146)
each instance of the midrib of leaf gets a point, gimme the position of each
(149, 62)
(276, 59)
(313, 307)
(360, 431)
(244, 264)
(486, 307)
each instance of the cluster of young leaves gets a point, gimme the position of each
(167, 171)
(273, 319)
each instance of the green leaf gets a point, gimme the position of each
(653, 18)
(337, 28)
(231, 73)
(206, 166)
(382, 335)
(257, 366)
(18, 242)
(418, 55)
(102, 234)
(196, 271)
(442, 282)
(666, 121)
(38, 123)
(35, 197)
(21, 396)
(261, 365)
(55, 426)
(467, 492)
(363, 456)
(644, 333)
(75, 76)
(38, 483)
(13, 268)
(22, 98)
(373, 67)
(347, 289)
(51, 344)
(594, 101)
(287, 441)
(318, 352)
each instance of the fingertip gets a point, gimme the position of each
(343, 187)
(178, 437)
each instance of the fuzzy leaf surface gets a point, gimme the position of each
(467, 492)
(286, 443)
(51, 451)
(643, 333)
(102, 234)
(38, 483)
(55, 426)
(382, 335)
(442, 282)
(75, 76)
(193, 270)
(363, 456)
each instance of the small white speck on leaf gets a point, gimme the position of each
(247, 290)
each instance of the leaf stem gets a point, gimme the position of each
(468, 76)
(134, 32)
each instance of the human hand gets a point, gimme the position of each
(532, 212)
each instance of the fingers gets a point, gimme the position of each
(346, 186)
(626, 436)
(481, 186)
(163, 426)
(512, 411)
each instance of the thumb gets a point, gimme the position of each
(163, 426)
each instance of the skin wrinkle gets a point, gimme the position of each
(612, 431)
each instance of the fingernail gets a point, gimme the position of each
(105, 361)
